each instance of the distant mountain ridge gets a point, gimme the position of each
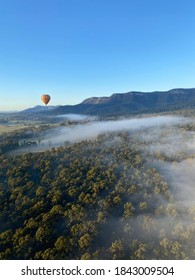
(133, 102)
(39, 108)
(139, 96)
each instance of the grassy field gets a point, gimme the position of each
(10, 128)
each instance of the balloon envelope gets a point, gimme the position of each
(45, 98)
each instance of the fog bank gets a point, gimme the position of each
(92, 129)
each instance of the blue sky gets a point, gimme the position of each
(75, 49)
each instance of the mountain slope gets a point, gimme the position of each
(133, 102)
(38, 109)
(144, 97)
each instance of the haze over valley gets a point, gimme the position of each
(78, 186)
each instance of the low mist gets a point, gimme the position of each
(76, 117)
(161, 135)
(168, 147)
(181, 177)
(91, 130)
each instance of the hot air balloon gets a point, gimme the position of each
(45, 98)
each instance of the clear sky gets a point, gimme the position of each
(75, 49)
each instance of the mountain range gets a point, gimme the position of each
(133, 102)
(38, 109)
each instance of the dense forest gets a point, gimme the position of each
(106, 198)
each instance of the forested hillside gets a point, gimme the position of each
(133, 102)
(100, 199)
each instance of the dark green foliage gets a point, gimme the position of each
(98, 199)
